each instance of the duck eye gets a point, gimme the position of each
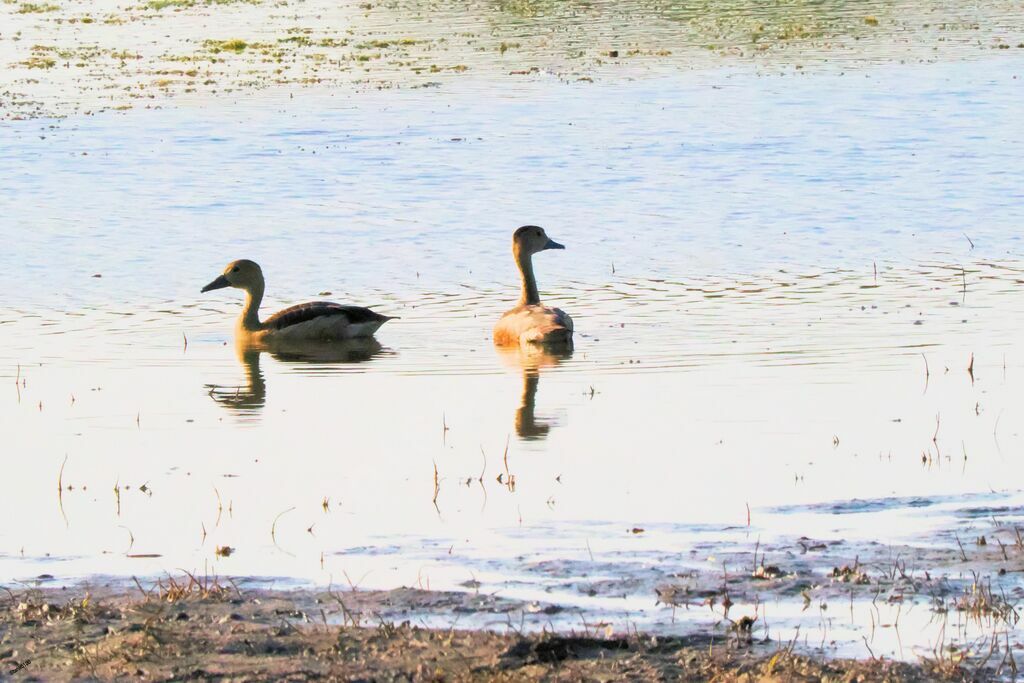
(235, 269)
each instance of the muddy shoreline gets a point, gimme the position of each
(778, 612)
(945, 606)
(201, 628)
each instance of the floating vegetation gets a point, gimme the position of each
(767, 573)
(523, 8)
(848, 574)
(503, 38)
(78, 53)
(163, 4)
(34, 8)
(301, 40)
(235, 45)
(39, 63)
(382, 44)
(184, 4)
(980, 602)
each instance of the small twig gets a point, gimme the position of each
(60, 474)
(927, 373)
(505, 457)
(870, 651)
(220, 507)
(963, 555)
(141, 589)
(995, 429)
(437, 488)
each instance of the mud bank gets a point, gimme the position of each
(204, 629)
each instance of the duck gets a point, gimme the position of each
(531, 322)
(313, 321)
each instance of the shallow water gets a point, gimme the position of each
(83, 56)
(778, 284)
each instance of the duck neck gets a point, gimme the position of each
(530, 296)
(250, 318)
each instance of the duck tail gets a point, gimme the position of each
(556, 335)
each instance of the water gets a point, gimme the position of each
(778, 283)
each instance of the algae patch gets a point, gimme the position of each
(235, 45)
(34, 8)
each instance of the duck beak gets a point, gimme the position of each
(553, 245)
(219, 283)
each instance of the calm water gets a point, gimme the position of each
(760, 267)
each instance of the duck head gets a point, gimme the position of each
(530, 239)
(241, 274)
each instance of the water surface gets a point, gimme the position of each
(778, 282)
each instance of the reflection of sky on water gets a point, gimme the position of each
(702, 174)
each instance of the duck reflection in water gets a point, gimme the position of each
(251, 397)
(532, 361)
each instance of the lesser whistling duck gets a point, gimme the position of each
(313, 321)
(531, 322)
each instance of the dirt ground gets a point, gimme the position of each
(204, 629)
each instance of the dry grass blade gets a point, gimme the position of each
(437, 488)
(188, 587)
(131, 538)
(60, 490)
(273, 529)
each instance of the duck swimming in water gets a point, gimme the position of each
(314, 321)
(530, 322)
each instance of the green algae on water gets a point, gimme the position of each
(235, 45)
(34, 8)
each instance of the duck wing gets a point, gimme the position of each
(301, 313)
